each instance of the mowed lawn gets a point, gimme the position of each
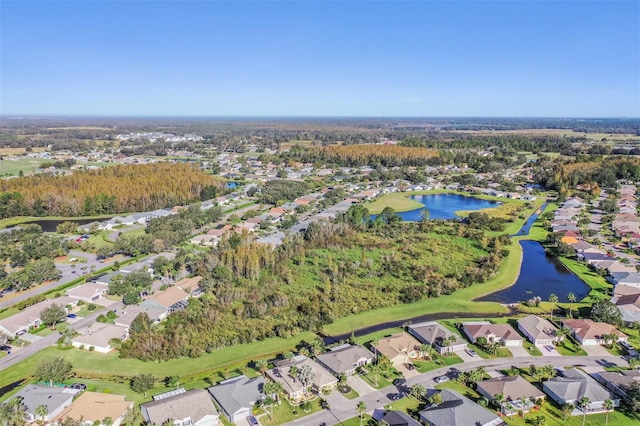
(109, 367)
(13, 167)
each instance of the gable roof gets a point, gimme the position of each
(99, 334)
(433, 332)
(169, 297)
(457, 410)
(512, 388)
(345, 358)
(321, 377)
(94, 406)
(195, 404)
(236, 393)
(575, 384)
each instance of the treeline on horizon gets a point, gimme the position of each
(118, 189)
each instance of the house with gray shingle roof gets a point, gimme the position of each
(618, 381)
(344, 359)
(502, 333)
(398, 418)
(435, 334)
(572, 386)
(458, 410)
(538, 330)
(235, 397)
(193, 407)
(54, 398)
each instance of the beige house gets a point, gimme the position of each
(400, 348)
(494, 333)
(321, 379)
(96, 407)
(591, 333)
(517, 393)
(98, 336)
(538, 330)
(89, 292)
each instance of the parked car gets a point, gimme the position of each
(80, 386)
(410, 366)
(5, 348)
(549, 348)
(441, 379)
(471, 352)
(252, 421)
(395, 396)
(71, 316)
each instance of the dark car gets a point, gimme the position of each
(410, 366)
(399, 382)
(6, 348)
(252, 421)
(80, 386)
(71, 316)
(395, 396)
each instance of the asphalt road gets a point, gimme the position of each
(342, 409)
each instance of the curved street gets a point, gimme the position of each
(342, 409)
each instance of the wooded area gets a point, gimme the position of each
(119, 189)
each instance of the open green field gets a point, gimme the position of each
(13, 167)
(108, 368)
(17, 220)
(399, 201)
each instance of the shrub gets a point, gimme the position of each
(92, 348)
(92, 307)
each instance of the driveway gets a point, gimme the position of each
(359, 385)
(596, 350)
(465, 356)
(406, 372)
(31, 338)
(519, 351)
(545, 352)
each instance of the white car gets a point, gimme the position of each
(471, 352)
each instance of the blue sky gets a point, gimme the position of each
(303, 58)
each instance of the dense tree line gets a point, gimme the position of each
(587, 172)
(116, 189)
(278, 191)
(336, 269)
(362, 155)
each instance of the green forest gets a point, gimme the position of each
(336, 269)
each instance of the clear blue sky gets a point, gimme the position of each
(368, 58)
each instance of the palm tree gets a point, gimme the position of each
(373, 344)
(450, 341)
(583, 403)
(553, 299)
(305, 375)
(497, 401)
(293, 372)
(418, 391)
(261, 365)
(634, 363)
(548, 371)
(317, 347)
(361, 407)
(269, 389)
(572, 298)
(41, 413)
(436, 398)
(608, 405)
(427, 351)
(567, 409)
(481, 372)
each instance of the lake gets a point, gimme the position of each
(444, 206)
(540, 275)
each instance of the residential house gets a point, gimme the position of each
(235, 397)
(345, 359)
(88, 292)
(293, 387)
(400, 348)
(96, 407)
(458, 410)
(171, 300)
(397, 418)
(500, 333)
(518, 394)
(439, 336)
(572, 386)
(618, 381)
(631, 279)
(130, 312)
(54, 398)
(184, 408)
(20, 323)
(591, 333)
(538, 330)
(191, 285)
(629, 306)
(99, 336)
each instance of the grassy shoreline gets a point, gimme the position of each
(19, 220)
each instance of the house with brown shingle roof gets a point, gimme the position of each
(400, 348)
(501, 333)
(590, 333)
(516, 391)
(95, 407)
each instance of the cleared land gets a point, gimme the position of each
(13, 167)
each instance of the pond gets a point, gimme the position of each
(540, 275)
(233, 185)
(444, 206)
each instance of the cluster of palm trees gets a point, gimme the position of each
(472, 376)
